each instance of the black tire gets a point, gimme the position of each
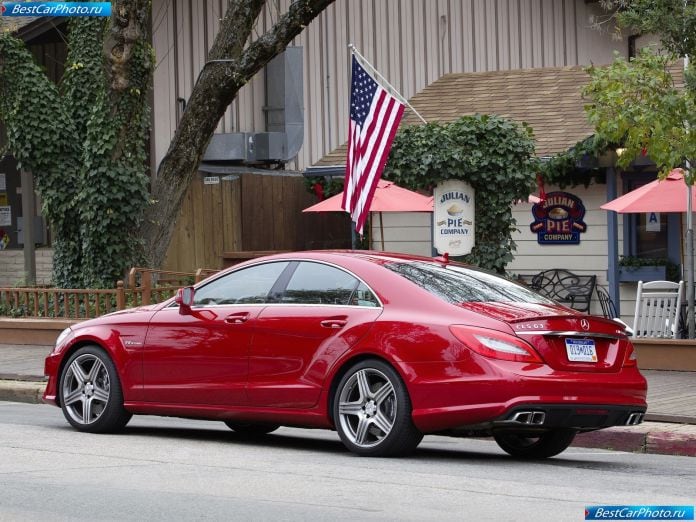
(543, 446)
(89, 378)
(250, 428)
(376, 423)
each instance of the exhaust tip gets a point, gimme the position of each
(635, 418)
(532, 418)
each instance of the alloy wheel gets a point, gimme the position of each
(367, 407)
(86, 389)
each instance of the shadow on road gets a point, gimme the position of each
(304, 443)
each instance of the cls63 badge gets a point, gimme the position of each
(558, 220)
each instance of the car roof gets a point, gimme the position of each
(375, 256)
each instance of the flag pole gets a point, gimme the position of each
(374, 71)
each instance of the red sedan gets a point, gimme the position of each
(383, 348)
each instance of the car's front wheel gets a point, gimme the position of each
(372, 411)
(540, 446)
(90, 392)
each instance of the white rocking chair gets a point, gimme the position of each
(658, 305)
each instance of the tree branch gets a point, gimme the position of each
(216, 88)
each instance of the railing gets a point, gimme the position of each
(63, 303)
(145, 286)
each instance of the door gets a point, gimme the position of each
(202, 357)
(321, 313)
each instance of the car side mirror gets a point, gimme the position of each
(184, 298)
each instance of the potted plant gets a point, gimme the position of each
(633, 268)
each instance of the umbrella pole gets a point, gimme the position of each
(353, 236)
(381, 230)
(690, 263)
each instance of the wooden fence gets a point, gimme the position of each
(145, 286)
(250, 212)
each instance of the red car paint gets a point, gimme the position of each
(277, 363)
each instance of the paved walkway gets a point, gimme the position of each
(24, 362)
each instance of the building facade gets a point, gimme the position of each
(414, 44)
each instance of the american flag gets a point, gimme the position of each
(374, 118)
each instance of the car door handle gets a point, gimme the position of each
(237, 318)
(334, 323)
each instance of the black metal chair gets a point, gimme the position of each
(566, 287)
(608, 307)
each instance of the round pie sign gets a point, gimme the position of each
(454, 218)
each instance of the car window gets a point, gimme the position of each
(363, 296)
(457, 284)
(248, 285)
(316, 283)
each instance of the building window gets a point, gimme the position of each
(650, 235)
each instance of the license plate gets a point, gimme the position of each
(581, 350)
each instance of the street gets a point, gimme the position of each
(171, 469)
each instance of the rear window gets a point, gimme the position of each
(457, 284)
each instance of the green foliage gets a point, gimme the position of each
(673, 20)
(567, 169)
(494, 155)
(86, 147)
(635, 262)
(637, 105)
(330, 186)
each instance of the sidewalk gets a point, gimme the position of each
(670, 426)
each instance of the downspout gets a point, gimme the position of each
(689, 246)
(613, 243)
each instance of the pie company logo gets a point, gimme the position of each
(558, 220)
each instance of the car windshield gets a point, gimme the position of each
(458, 284)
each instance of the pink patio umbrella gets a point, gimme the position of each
(388, 198)
(671, 194)
(668, 195)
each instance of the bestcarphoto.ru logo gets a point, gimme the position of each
(67, 9)
(639, 513)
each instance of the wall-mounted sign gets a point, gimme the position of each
(454, 218)
(5, 216)
(211, 180)
(652, 222)
(558, 220)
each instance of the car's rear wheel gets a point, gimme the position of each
(372, 411)
(250, 428)
(540, 446)
(90, 392)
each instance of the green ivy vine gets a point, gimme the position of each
(576, 166)
(85, 144)
(494, 155)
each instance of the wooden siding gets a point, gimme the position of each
(412, 42)
(590, 257)
(250, 212)
(405, 232)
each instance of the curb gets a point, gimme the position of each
(22, 391)
(651, 437)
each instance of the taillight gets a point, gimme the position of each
(631, 358)
(494, 344)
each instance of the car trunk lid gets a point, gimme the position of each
(565, 339)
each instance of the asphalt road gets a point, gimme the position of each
(175, 469)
